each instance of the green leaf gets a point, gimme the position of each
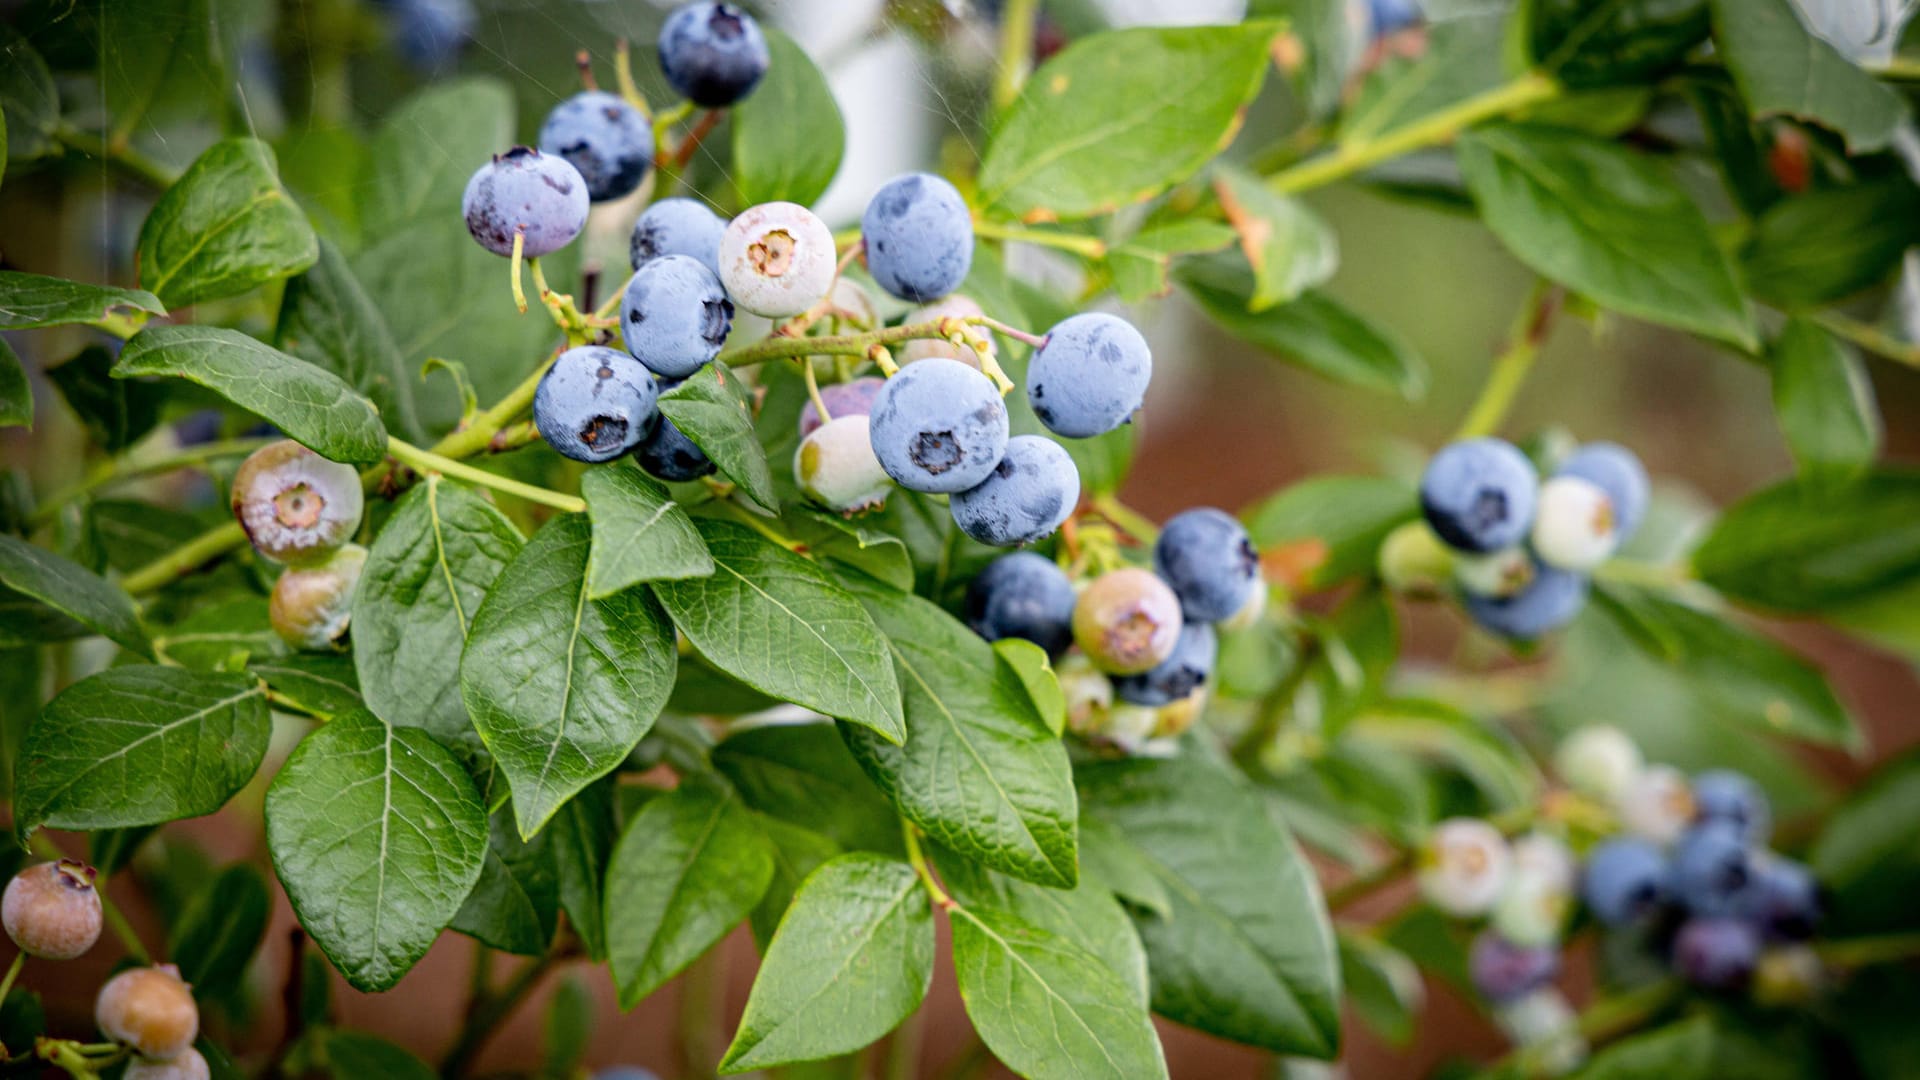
(1089, 135)
(1463, 57)
(311, 405)
(16, 396)
(1028, 663)
(115, 412)
(804, 774)
(1680, 1051)
(1289, 248)
(1621, 41)
(1801, 547)
(561, 686)
(1812, 249)
(568, 1028)
(1383, 986)
(581, 836)
(30, 301)
(776, 622)
(515, 905)
(856, 543)
(852, 958)
(428, 147)
(1314, 331)
(1248, 953)
(1046, 1006)
(980, 770)
(688, 868)
(140, 745)
(326, 682)
(328, 320)
(378, 836)
(1782, 70)
(1087, 914)
(222, 927)
(797, 852)
(226, 227)
(1440, 733)
(1350, 515)
(355, 1055)
(710, 408)
(426, 575)
(639, 532)
(1824, 402)
(28, 98)
(788, 136)
(1140, 264)
(1108, 859)
(1608, 223)
(1868, 855)
(72, 590)
(1329, 36)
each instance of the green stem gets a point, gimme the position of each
(125, 158)
(1869, 337)
(1090, 246)
(787, 348)
(918, 859)
(1130, 521)
(1867, 951)
(127, 468)
(1016, 50)
(185, 559)
(1645, 574)
(13, 972)
(427, 461)
(1510, 368)
(485, 1020)
(1360, 155)
(1898, 69)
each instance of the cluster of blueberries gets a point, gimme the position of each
(301, 510)
(1520, 551)
(1135, 646)
(52, 911)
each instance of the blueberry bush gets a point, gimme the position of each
(778, 575)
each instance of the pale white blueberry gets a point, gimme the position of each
(1574, 527)
(1598, 760)
(777, 259)
(1462, 868)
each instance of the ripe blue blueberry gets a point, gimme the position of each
(1713, 869)
(1023, 595)
(1716, 953)
(1625, 880)
(595, 403)
(1549, 602)
(1784, 900)
(677, 227)
(1617, 471)
(668, 454)
(919, 237)
(1727, 796)
(1502, 971)
(854, 398)
(1179, 675)
(714, 54)
(1479, 494)
(675, 315)
(431, 33)
(1090, 376)
(603, 137)
(1388, 16)
(523, 191)
(1210, 561)
(1025, 498)
(939, 427)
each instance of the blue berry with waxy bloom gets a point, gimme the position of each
(675, 316)
(1727, 796)
(603, 137)
(1549, 602)
(939, 427)
(677, 226)
(1206, 555)
(526, 193)
(1127, 621)
(1625, 880)
(1502, 971)
(1023, 595)
(668, 454)
(1617, 471)
(431, 33)
(1388, 16)
(1716, 953)
(1025, 498)
(1090, 376)
(1784, 900)
(852, 398)
(1179, 675)
(1713, 869)
(919, 237)
(595, 404)
(1479, 494)
(714, 54)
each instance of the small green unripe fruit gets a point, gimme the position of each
(1414, 561)
(835, 466)
(1127, 621)
(295, 505)
(311, 604)
(51, 910)
(189, 1065)
(150, 1009)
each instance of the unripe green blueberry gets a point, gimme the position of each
(295, 505)
(1547, 858)
(1788, 975)
(310, 605)
(1496, 573)
(1532, 909)
(1173, 720)
(1598, 760)
(1547, 1026)
(51, 910)
(835, 466)
(956, 306)
(853, 304)
(1088, 692)
(1414, 561)
(1127, 621)
(187, 1065)
(150, 1010)
(1462, 868)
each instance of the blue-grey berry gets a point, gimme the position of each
(668, 454)
(1713, 869)
(1502, 971)
(1617, 471)
(595, 404)
(939, 427)
(605, 138)
(1023, 595)
(1550, 601)
(919, 237)
(1784, 900)
(1716, 952)
(675, 315)
(677, 227)
(1025, 498)
(431, 33)
(1731, 797)
(1179, 675)
(1090, 376)
(714, 54)
(539, 196)
(1479, 494)
(1625, 880)
(1210, 561)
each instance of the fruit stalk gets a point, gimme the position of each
(428, 461)
(1510, 369)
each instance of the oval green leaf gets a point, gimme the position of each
(639, 532)
(1801, 547)
(30, 301)
(226, 227)
(788, 136)
(72, 590)
(710, 408)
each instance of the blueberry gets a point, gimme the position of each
(1463, 867)
(952, 307)
(1024, 595)
(919, 237)
(539, 196)
(1179, 675)
(677, 227)
(431, 33)
(1502, 971)
(1598, 760)
(777, 259)
(1532, 909)
(675, 316)
(1025, 498)
(595, 403)
(1728, 796)
(1090, 376)
(1387, 16)
(1784, 900)
(1626, 880)
(624, 1072)
(1127, 621)
(51, 910)
(1713, 870)
(1210, 561)
(1716, 953)
(603, 137)
(939, 427)
(853, 304)
(1494, 574)
(1656, 804)
(670, 455)
(1618, 472)
(853, 398)
(714, 54)
(150, 1010)
(295, 505)
(310, 605)
(1548, 603)
(835, 466)
(186, 1065)
(1479, 495)
(1573, 524)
